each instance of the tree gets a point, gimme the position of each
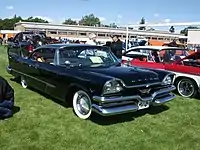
(90, 20)
(185, 30)
(36, 19)
(172, 29)
(142, 21)
(8, 23)
(70, 22)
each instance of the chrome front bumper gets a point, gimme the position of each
(125, 104)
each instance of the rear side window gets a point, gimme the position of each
(45, 55)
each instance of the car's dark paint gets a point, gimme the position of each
(127, 73)
(58, 81)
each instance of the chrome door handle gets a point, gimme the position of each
(34, 66)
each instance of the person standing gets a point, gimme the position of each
(117, 46)
(92, 39)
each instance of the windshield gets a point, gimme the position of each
(165, 55)
(87, 57)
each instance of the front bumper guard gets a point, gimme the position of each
(157, 98)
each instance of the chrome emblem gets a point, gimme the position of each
(145, 91)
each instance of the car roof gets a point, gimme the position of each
(57, 46)
(155, 48)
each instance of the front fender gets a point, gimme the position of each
(190, 76)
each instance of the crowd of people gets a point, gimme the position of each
(116, 45)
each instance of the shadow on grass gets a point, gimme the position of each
(109, 120)
(15, 109)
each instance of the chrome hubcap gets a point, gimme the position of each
(83, 104)
(186, 88)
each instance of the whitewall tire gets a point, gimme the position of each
(23, 82)
(82, 104)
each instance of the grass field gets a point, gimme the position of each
(41, 124)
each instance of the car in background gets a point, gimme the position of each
(24, 43)
(91, 78)
(174, 59)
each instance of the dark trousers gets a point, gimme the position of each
(6, 109)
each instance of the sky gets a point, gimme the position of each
(122, 12)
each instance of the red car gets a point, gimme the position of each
(186, 66)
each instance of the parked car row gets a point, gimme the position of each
(91, 79)
(179, 61)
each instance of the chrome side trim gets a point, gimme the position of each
(48, 84)
(136, 97)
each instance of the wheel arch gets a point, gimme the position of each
(178, 78)
(74, 87)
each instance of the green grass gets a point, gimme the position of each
(42, 124)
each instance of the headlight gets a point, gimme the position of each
(112, 86)
(168, 80)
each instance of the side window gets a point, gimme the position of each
(68, 55)
(45, 55)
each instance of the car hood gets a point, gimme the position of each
(129, 75)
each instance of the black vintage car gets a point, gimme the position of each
(91, 79)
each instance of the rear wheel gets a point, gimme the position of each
(23, 82)
(187, 88)
(82, 104)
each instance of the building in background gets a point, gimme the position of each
(193, 41)
(78, 32)
(5, 34)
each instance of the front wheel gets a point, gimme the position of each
(82, 104)
(187, 88)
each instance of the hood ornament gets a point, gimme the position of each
(145, 91)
